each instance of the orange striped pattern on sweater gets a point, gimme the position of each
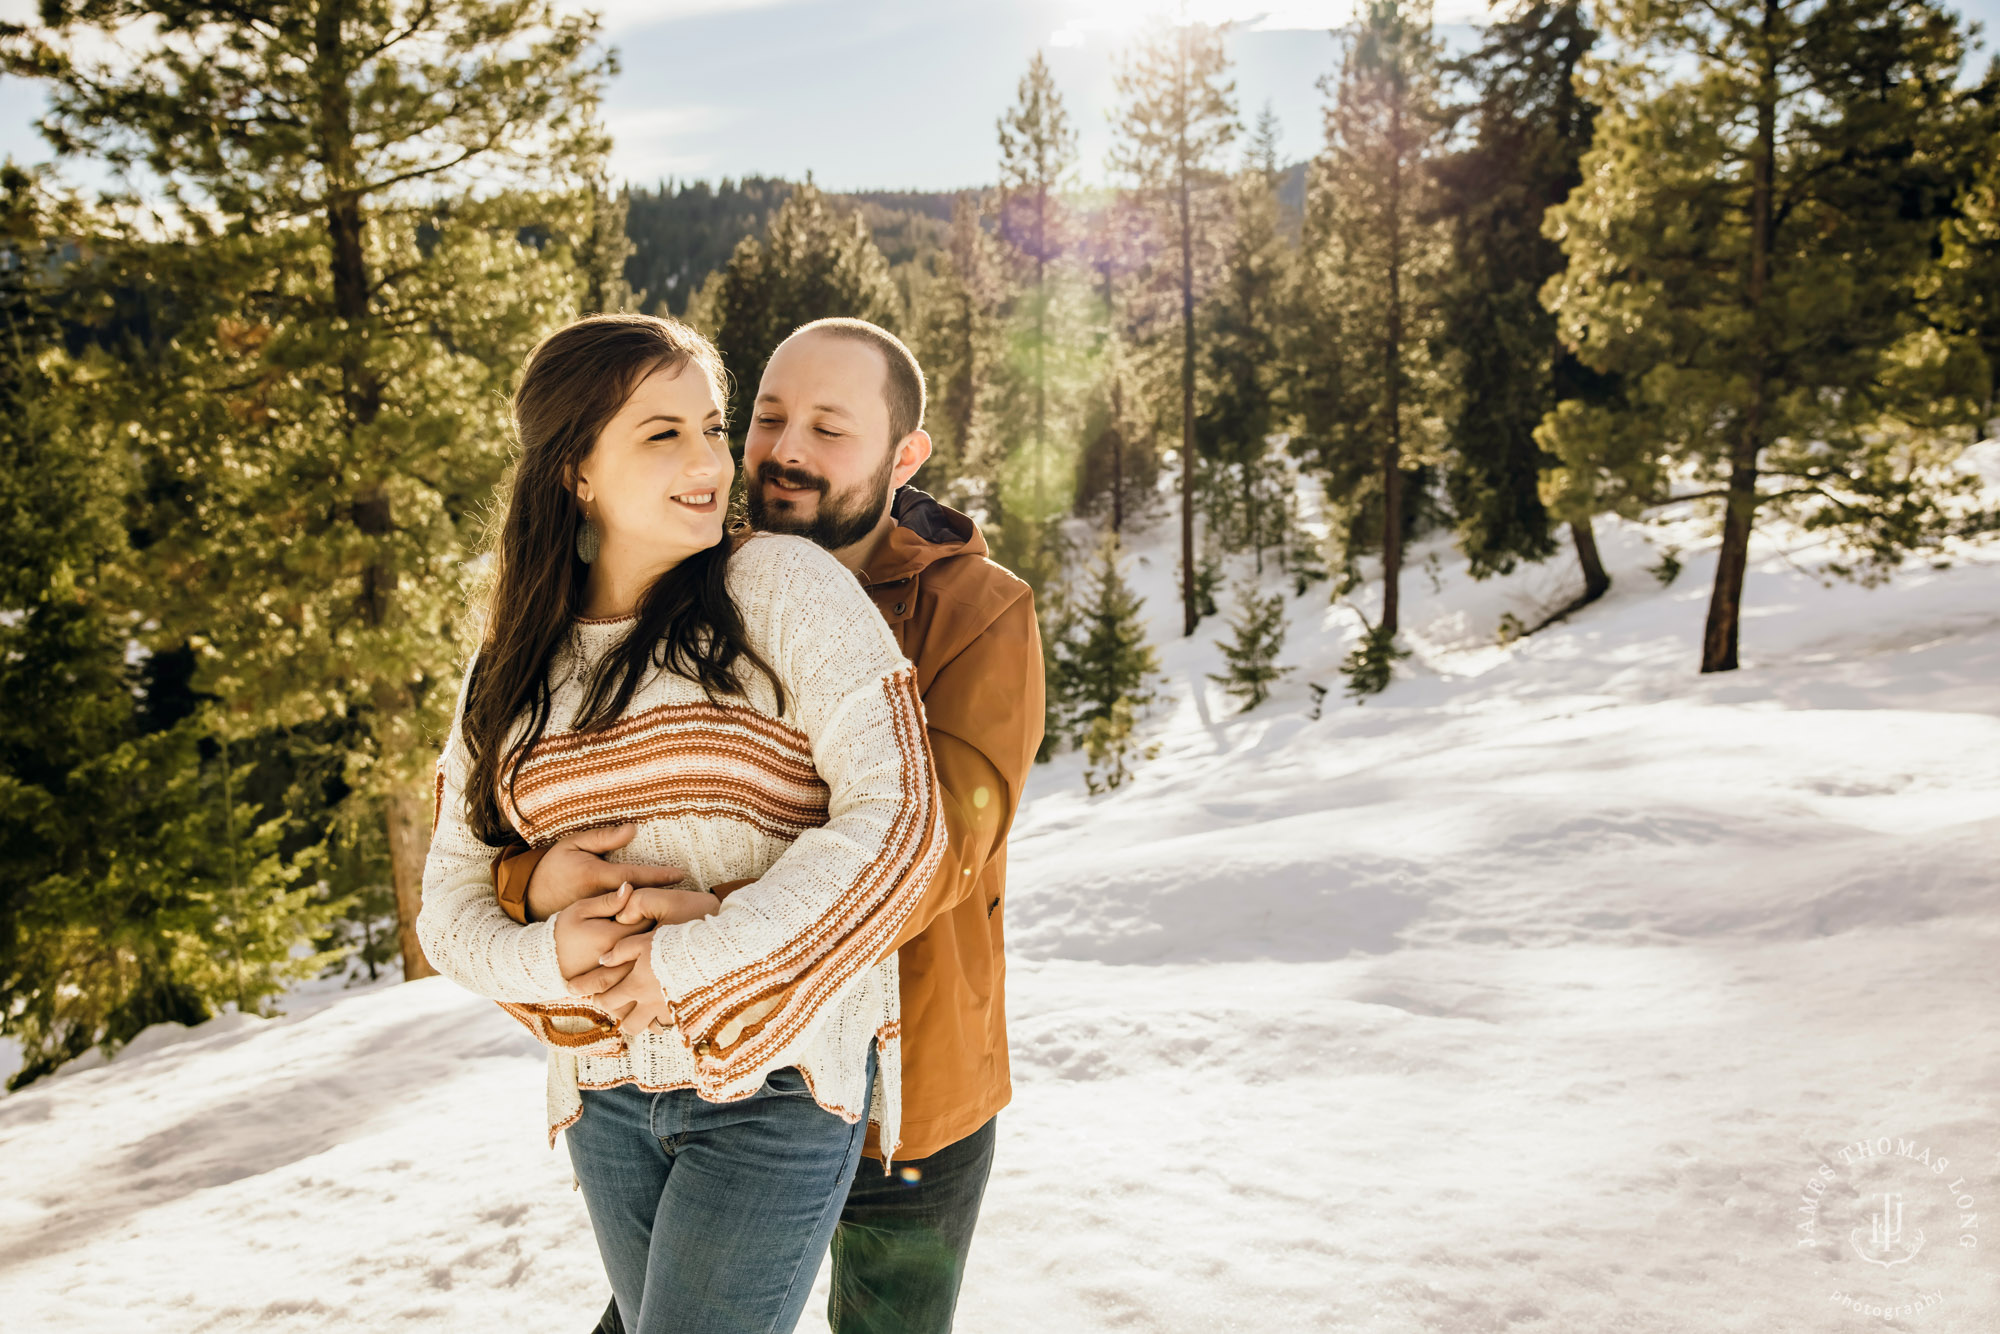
(714, 761)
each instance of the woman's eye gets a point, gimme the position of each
(825, 432)
(667, 434)
(767, 421)
(718, 431)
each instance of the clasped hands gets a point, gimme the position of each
(605, 914)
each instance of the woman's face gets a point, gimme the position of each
(657, 480)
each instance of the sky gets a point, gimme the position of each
(904, 93)
(898, 94)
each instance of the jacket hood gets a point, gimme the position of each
(927, 530)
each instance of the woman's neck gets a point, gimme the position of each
(617, 582)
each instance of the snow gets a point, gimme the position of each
(1527, 996)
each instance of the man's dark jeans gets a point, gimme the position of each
(899, 1251)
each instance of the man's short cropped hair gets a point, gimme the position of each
(902, 386)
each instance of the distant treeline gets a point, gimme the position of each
(682, 231)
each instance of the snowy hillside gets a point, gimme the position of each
(1528, 996)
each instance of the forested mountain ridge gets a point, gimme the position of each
(681, 231)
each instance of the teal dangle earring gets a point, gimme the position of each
(586, 539)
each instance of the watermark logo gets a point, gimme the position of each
(1893, 1224)
(1885, 1235)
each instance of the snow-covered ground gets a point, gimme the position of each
(1529, 996)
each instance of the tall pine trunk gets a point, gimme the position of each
(1250, 513)
(1189, 612)
(347, 228)
(1725, 606)
(1596, 583)
(1392, 444)
(1117, 454)
(1041, 344)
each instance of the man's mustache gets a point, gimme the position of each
(792, 477)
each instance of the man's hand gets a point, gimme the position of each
(589, 927)
(574, 868)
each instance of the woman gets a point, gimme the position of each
(742, 701)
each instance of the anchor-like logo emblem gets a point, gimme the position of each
(1885, 1236)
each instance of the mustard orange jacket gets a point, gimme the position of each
(969, 627)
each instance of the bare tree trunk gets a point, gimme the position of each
(1725, 605)
(409, 845)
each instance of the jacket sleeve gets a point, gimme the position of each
(745, 983)
(470, 940)
(513, 867)
(985, 710)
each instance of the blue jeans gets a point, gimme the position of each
(900, 1250)
(712, 1216)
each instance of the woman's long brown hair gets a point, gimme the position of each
(574, 383)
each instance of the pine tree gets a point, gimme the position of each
(1371, 665)
(682, 231)
(1120, 455)
(602, 250)
(1102, 670)
(1757, 212)
(1372, 286)
(1241, 321)
(1207, 573)
(365, 215)
(813, 262)
(133, 889)
(1964, 294)
(1259, 626)
(1037, 154)
(959, 338)
(1528, 131)
(1179, 114)
(1305, 553)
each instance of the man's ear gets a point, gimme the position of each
(911, 454)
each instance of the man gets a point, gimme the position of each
(835, 434)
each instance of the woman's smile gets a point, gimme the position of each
(701, 502)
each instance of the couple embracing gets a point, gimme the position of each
(722, 819)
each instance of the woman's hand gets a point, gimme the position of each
(589, 927)
(622, 981)
(668, 907)
(624, 984)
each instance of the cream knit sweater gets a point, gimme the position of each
(831, 806)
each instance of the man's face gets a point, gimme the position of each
(817, 457)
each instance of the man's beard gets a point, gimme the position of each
(837, 521)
